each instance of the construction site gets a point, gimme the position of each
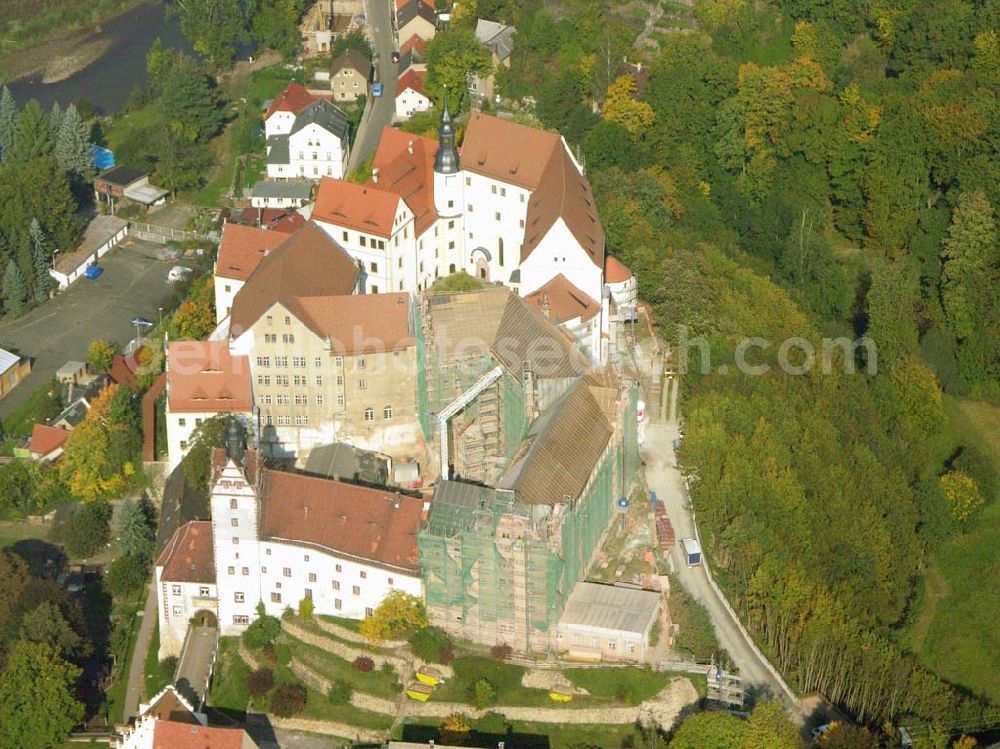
(534, 451)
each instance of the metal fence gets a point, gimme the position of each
(164, 234)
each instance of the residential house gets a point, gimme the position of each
(281, 537)
(350, 74)
(416, 18)
(411, 94)
(498, 38)
(240, 251)
(307, 136)
(294, 194)
(204, 380)
(185, 584)
(13, 369)
(102, 234)
(46, 443)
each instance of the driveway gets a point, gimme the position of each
(196, 663)
(378, 112)
(134, 283)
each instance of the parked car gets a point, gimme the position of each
(144, 321)
(177, 273)
(93, 272)
(376, 89)
(395, 56)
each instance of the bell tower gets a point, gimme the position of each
(447, 171)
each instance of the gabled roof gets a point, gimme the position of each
(564, 301)
(204, 377)
(351, 323)
(364, 208)
(412, 10)
(307, 264)
(412, 79)
(507, 151)
(415, 45)
(46, 440)
(170, 735)
(610, 608)
(497, 37)
(277, 149)
(189, 556)
(121, 176)
(124, 368)
(242, 248)
(294, 99)
(294, 189)
(325, 114)
(169, 705)
(352, 58)
(561, 450)
(370, 525)
(408, 175)
(615, 271)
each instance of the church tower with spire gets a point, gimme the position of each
(447, 170)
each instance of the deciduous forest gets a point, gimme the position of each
(815, 169)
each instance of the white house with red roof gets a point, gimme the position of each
(185, 583)
(204, 380)
(46, 443)
(308, 136)
(240, 250)
(411, 94)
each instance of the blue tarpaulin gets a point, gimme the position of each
(103, 158)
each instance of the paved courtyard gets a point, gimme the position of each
(134, 283)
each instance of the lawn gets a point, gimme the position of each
(319, 632)
(126, 622)
(157, 673)
(352, 624)
(229, 683)
(374, 682)
(629, 685)
(43, 404)
(505, 678)
(956, 632)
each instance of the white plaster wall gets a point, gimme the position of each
(409, 102)
(559, 252)
(225, 291)
(326, 156)
(176, 604)
(483, 199)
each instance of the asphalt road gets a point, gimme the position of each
(134, 283)
(379, 111)
(196, 663)
(663, 477)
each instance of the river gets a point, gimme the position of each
(108, 82)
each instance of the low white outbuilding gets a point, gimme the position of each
(608, 622)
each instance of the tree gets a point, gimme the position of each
(356, 40)
(135, 530)
(431, 644)
(452, 57)
(8, 124)
(263, 631)
(260, 682)
(962, 493)
(195, 318)
(100, 355)
(55, 120)
(87, 530)
(40, 189)
(275, 24)
(15, 290)
(32, 138)
(40, 260)
(891, 300)
(710, 730)
(622, 107)
(455, 729)
(213, 27)
(398, 615)
(73, 149)
(288, 700)
(971, 259)
(484, 694)
(306, 608)
(769, 728)
(364, 664)
(197, 463)
(37, 704)
(189, 103)
(47, 625)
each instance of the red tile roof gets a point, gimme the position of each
(189, 556)
(408, 175)
(565, 301)
(46, 439)
(289, 223)
(413, 79)
(242, 248)
(203, 377)
(615, 271)
(371, 525)
(170, 735)
(124, 367)
(171, 706)
(359, 324)
(294, 99)
(415, 42)
(363, 208)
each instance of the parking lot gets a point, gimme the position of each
(134, 282)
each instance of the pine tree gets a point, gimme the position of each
(15, 290)
(31, 138)
(73, 150)
(55, 120)
(8, 122)
(40, 260)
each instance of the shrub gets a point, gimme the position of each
(500, 652)
(269, 655)
(364, 664)
(431, 644)
(260, 682)
(387, 669)
(263, 631)
(398, 615)
(340, 692)
(282, 653)
(484, 694)
(455, 729)
(126, 575)
(306, 608)
(492, 723)
(288, 700)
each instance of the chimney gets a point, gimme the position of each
(375, 174)
(409, 148)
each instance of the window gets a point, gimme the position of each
(270, 320)
(235, 522)
(451, 245)
(288, 338)
(319, 381)
(299, 361)
(336, 584)
(176, 589)
(263, 379)
(390, 582)
(339, 361)
(451, 203)
(369, 414)
(232, 503)
(270, 338)
(228, 288)
(246, 571)
(344, 235)
(468, 181)
(312, 577)
(318, 361)
(263, 570)
(496, 215)
(362, 363)
(500, 249)
(276, 598)
(231, 570)
(381, 244)
(288, 320)
(182, 422)
(301, 421)
(307, 593)
(451, 268)
(374, 289)
(363, 240)
(300, 400)
(281, 361)
(363, 574)
(263, 361)
(470, 208)
(612, 645)
(340, 400)
(387, 413)
(299, 380)
(337, 604)
(286, 571)
(338, 568)
(184, 444)
(356, 590)
(368, 611)
(521, 197)
(362, 384)
(236, 540)
(178, 610)
(340, 380)
(267, 552)
(319, 400)
(241, 619)
(493, 189)
(503, 192)
(451, 224)
(238, 597)
(281, 380)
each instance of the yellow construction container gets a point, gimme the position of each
(560, 695)
(420, 692)
(429, 676)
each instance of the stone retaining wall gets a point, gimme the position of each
(402, 666)
(329, 728)
(346, 634)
